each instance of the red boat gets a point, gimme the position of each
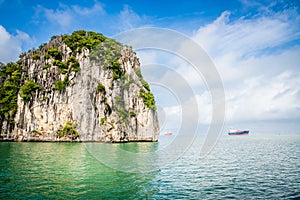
(168, 133)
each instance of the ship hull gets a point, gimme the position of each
(239, 133)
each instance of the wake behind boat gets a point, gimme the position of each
(238, 132)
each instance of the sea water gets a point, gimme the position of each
(248, 167)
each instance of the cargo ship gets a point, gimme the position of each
(238, 132)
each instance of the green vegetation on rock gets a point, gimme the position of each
(63, 67)
(132, 114)
(145, 84)
(139, 73)
(75, 66)
(68, 130)
(53, 52)
(108, 52)
(120, 108)
(36, 55)
(128, 83)
(102, 121)
(22, 55)
(36, 132)
(148, 98)
(117, 70)
(28, 88)
(61, 85)
(82, 39)
(100, 88)
(46, 66)
(55, 67)
(10, 80)
(73, 63)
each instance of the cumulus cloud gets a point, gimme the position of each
(11, 44)
(257, 58)
(265, 98)
(66, 17)
(61, 16)
(258, 63)
(246, 37)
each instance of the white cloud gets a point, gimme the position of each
(173, 115)
(258, 64)
(128, 19)
(258, 61)
(96, 9)
(246, 37)
(11, 45)
(171, 119)
(204, 102)
(264, 98)
(66, 17)
(61, 16)
(253, 55)
(233, 69)
(195, 79)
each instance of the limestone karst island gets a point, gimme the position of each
(78, 87)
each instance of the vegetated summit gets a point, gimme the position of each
(78, 87)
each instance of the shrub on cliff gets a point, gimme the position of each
(80, 39)
(10, 79)
(28, 88)
(101, 88)
(148, 99)
(53, 52)
(68, 130)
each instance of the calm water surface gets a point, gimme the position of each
(251, 167)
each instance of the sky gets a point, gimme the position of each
(255, 46)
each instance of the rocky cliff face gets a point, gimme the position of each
(79, 87)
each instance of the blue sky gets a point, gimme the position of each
(42, 19)
(255, 46)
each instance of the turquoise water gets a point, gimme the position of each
(250, 167)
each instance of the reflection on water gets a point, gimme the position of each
(48, 170)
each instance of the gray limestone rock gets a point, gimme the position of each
(90, 104)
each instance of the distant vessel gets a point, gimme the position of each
(238, 132)
(168, 133)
